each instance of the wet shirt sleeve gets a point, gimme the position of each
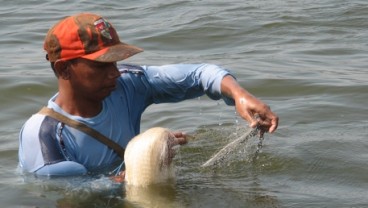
(173, 83)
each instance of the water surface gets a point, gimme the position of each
(306, 59)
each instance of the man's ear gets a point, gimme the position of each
(62, 69)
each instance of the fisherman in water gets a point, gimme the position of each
(110, 98)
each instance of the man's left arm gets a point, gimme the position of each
(177, 82)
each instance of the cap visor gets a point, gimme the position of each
(114, 53)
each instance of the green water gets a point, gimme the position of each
(306, 59)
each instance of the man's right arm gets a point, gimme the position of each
(40, 151)
(63, 168)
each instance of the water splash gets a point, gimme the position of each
(260, 143)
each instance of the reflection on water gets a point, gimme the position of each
(158, 195)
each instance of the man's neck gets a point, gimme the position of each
(77, 106)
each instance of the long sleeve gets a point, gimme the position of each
(173, 83)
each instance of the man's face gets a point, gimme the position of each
(91, 79)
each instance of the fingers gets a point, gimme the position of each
(174, 139)
(253, 122)
(274, 124)
(270, 120)
(119, 178)
(248, 116)
(257, 114)
(267, 122)
(182, 140)
(179, 138)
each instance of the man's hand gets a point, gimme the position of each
(119, 178)
(253, 110)
(180, 138)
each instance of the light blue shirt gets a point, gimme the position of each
(47, 147)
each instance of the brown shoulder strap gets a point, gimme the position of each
(84, 128)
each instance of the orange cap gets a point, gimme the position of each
(86, 36)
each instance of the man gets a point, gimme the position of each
(83, 51)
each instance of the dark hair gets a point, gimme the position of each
(52, 65)
(53, 68)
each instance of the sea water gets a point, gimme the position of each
(306, 59)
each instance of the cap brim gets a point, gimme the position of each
(114, 53)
